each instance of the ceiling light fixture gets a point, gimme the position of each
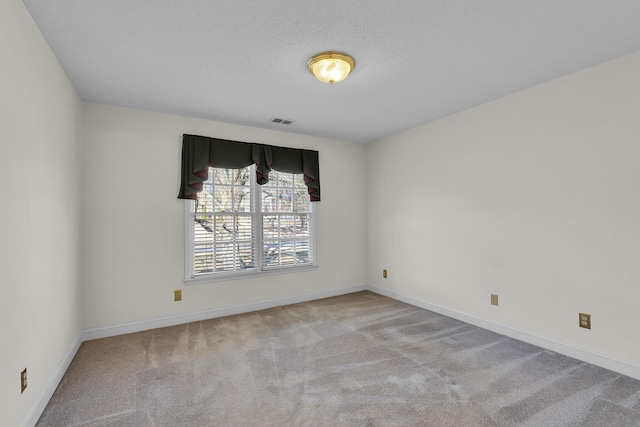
(331, 67)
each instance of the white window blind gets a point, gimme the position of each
(237, 227)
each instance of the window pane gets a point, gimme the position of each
(203, 244)
(282, 253)
(287, 226)
(202, 223)
(242, 199)
(301, 200)
(269, 200)
(205, 198)
(270, 254)
(245, 255)
(285, 200)
(231, 176)
(223, 199)
(224, 228)
(225, 257)
(302, 251)
(302, 226)
(286, 179)
(287, 253)
(203, 259)
(243, 227)
(270, 226)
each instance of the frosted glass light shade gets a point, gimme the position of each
(331, 67)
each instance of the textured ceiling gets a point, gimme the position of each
(244, 61)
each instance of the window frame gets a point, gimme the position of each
(256, 195)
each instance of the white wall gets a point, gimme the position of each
(133, 233)
(39, 214)
(535, 197)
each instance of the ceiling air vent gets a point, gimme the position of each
(282, 121)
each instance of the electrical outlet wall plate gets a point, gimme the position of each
(584, 320)
(494, 299)
(23, 380)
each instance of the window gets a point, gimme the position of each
(236, 227)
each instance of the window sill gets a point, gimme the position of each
(235, 275)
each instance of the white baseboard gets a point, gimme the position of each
(41, 402)
(607, 362)
(127, 328)
(108, 331)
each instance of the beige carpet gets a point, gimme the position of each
(354, 360)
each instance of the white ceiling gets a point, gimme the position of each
(244, 61)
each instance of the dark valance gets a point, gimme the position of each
(200, 152)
